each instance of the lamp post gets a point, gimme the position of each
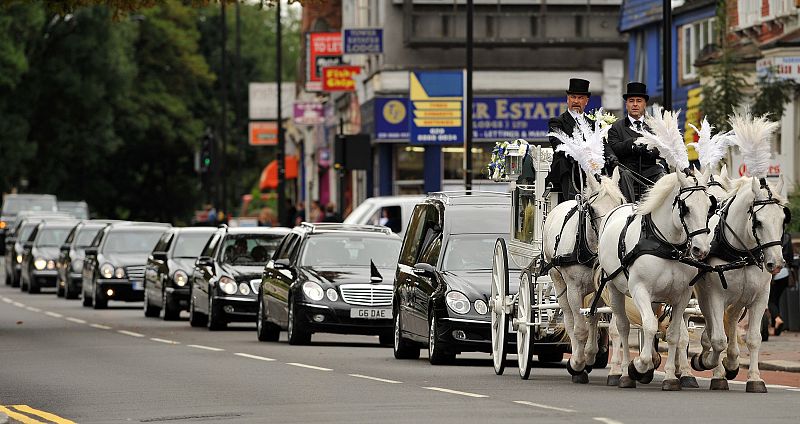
(468, 112)
(281, 141)
(666, 61)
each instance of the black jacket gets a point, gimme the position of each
(621, 139)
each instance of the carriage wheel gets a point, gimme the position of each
(524, 332)
(500, 318)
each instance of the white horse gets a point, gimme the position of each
(677, 206)
(751, 223)
(573, 281)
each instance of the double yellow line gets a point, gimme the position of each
(17, 412)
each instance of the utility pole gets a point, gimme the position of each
(281, 141)
(666, 61)
(223, 80)
(468, 114)
(241, 136)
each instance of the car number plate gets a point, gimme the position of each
(371, 313)
(137, 285)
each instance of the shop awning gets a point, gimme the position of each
(269, 176)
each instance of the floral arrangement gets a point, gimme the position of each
(497, 166)
(604, 118)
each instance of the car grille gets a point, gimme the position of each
(367, 294)
(135, 272)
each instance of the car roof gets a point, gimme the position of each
(256, 230)
(338, 228)
(138, 227)
(61, 223)
(201, 230)
(394, 200)
(28, 196)
(477, 219)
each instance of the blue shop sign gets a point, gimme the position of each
(436, 107)
(508, 118)
(391, 118)
(363, 41)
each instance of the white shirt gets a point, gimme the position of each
(633, 121)
(578, 117)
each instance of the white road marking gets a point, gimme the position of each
(75, 320)
(607, 420)
(779, 386)
(130, 333)
(311, 367)
(539, 405)
(32, 309)
(53, 314)
(18, 305)
(793, 390)
(213, 349)
(383, 380)
(456, 392)
(155, 339)
(7, 300)
(100, 326)
(260, 358)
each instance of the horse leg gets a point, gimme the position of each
(676, 327)
(623, 332)
(560, 284)
(592, 341)
(754, 313)
(577, 361)
(642, 368)
(615, 353)
(731, 362)
(713, 340)
(682, 361)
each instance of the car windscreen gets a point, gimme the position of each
(131, 241)
(189, 245)
(26, 230)
(52, 236)
(471, 252)
(350, 250)
(16, 205)
(86, 236)
(249, 249)
(79, 211)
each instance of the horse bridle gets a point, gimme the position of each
(683, 210)
(755, 223)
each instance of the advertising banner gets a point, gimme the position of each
(263, 133)
(437, 107)
(309, 113)
(509, 118)
(363, 41)
(322, 49)
(339, 78)
(391, 118)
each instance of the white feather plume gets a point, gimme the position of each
(752, 136)
(710, 150)
(585, 145)
(666, 137)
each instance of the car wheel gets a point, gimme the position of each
(23, 285)
(171, 309)
(266, 331)
(196, 319)
(100, 301)
(550, 355)
(69, 292)
(403, 348)
(33, 287)
(437, 353)
(14, 279)
(216, 320)
(87, 300)
(386, 339)
(150, 311)
(59, 288)
(298, 335)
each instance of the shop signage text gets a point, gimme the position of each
(339, 78)
(363, 41)
(322, 49)
(437, 107)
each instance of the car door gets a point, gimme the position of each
(63, 264)
(155, 261)
(427, 284)
(90, 263)
(405, 279)
(277, 280)
(203, 273)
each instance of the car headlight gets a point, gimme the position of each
(19, 259)
(244, 289)
(481, 307)
(39, 263)
(332, 295)
(77, 265)
(51, 264)
(180, 278)
(313, 291)
(119, 273)
(107, 270)
(457, 302)
(227, 285)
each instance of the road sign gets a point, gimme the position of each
(309, 113)
(437, 107)
(263, 100)
(322, 49)
(363, 41)
(339, 78)
(263, 133)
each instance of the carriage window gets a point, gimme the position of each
(524, 214)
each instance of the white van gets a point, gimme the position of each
(391, 211)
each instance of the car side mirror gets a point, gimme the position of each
(282, 264)
(64, 248)
(161, 256)
(27, 244)
(424, 270)
(204, 261)
(91, 251)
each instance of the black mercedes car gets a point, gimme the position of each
(40, 253)
(166, 276)
(13, 204)
(443, 279)
(226, 276)
(70, 258)
(113, 268)
(329, 278)
(25, 222)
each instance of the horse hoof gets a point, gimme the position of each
(756, 387)
(587, 368)
(656, 360)
(633, 372)
(689, 382)
(647, 377)
(613, 380)
(719, 384)
(671, 385)
(731, 374)
(572, 371)
(582, 378)
(697, 363)
(626, 382)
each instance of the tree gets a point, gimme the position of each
(772, 95)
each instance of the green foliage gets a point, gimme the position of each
(773, 94)
(794, 206)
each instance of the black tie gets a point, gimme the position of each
(638, 125)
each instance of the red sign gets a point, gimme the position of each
(323, 49)
(774, 170)
(263, 133)
(339, 78)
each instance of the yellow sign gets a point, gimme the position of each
(394, 111)
(693, 116)
(452, 113)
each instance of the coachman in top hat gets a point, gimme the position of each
(564, 171)
(640, 168)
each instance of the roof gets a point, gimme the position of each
(257, 230)
(470, 197)
(59, 223)
(207, 230)
(334, 227)
(28, 196)
(144, 226)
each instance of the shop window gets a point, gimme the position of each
(454, 161)
(694, 38)
(410, 161)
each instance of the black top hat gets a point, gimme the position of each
(636, 89)
(578, 86)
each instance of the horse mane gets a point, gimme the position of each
(611, 189)
(658, 194)
(745, 182)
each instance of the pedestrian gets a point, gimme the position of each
(289, 215)
(565, 174)
(211, 216)
(640, 168)
(781, 280)
(330, 214)
(316, 214)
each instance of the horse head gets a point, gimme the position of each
(690, 210)
(604, 194)
(719, 184)
(767, 216)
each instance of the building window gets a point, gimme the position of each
(640, 70)
(749, 13)
(453, 157)
(695, 37)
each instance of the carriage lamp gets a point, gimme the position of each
(515, 154)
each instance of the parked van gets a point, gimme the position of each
(391, 211)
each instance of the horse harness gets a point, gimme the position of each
(581, 254)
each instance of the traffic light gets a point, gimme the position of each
(206, 152)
